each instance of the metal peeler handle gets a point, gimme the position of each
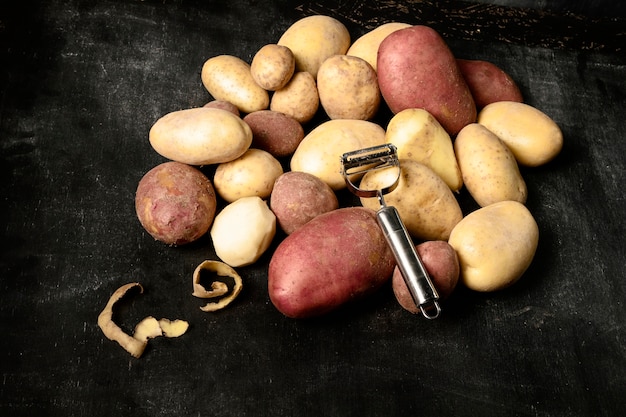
(413, 270)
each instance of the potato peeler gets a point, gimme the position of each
(357, 163)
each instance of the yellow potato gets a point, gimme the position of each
(273, 66)
(533, 137)
(200, 136)
(320, 151)
(424, 202)
(313, 39)
(366, 47)
(228, 78)
(298, 99)
(252, 174)
(420, 137)
(495, 245)
(348, 88)
(490, 171)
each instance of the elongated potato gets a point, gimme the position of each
(366, 47)
(200, 136)
(228, 78)
(488, 83)
(490, 171)
(333, 259)
(424, 202)
(420, 137)
(416, 69)
(495, 244)
(320, 151)
(533, 137)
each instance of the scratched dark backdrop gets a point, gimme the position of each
(81, 82)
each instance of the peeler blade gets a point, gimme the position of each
(357, 163)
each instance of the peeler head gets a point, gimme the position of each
(357, 163)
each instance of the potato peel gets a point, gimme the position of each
(221, 269)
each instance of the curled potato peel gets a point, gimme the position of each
(218, 288)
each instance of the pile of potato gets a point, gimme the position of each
(456, 123)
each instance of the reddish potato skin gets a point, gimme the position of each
(224, 105)
(274, 132)
(416, 69)
(442, 263)
(335, 258)
(298, 197)
(488, 83)
(175, 203)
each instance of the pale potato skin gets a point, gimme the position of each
(488, 83)
(313, 39)
(441, 263)
(419, 136)
(175, 203)
(273, 66)
(416, 69)
(228, 78)
(533, 137)
(348, 88)
(320, 151)
(243, 231)
(224, 105)
(252, 174)
(298, 99)
(496, 245)
(298, 197)
(366, 47)
(275, 132)
(424, 202)
(336, 258)
(490, 171)
(200, 136)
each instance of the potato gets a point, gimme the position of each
(175, 203)
(274, 132)
(298, 197)
(320, 151)
(420, 137)
(366, 47)
(424, 202)
(490, 171)
(252, 174)
(200, 136)
(416, 69)
(441, 263)
(224, 105)
(495, 245)
(488, 83)
(228, 78)
(348, 88)
(243, 231)
(533, 137)
(298, 99)
(273, 66)
(312, 39)
(337, 257)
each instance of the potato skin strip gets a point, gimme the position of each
(221, 269)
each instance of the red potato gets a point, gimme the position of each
(298, 197)
(175, 203)
(416, 69)
(335, 258)
(442, 264)
(488, 83)
(224, 105)
(274, 132)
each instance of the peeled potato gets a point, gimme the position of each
(495, 245)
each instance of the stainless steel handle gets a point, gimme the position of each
(415, 275)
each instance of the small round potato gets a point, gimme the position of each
(243, 231)
(348, 88)
(298, 99)
(228, 78)
(252, 174)
(175, 203)
(298, 197)
(273, 66)
(366, 47)
(274, 132)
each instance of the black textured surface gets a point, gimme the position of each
(81, 84)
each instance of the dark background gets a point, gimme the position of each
(81, 83)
